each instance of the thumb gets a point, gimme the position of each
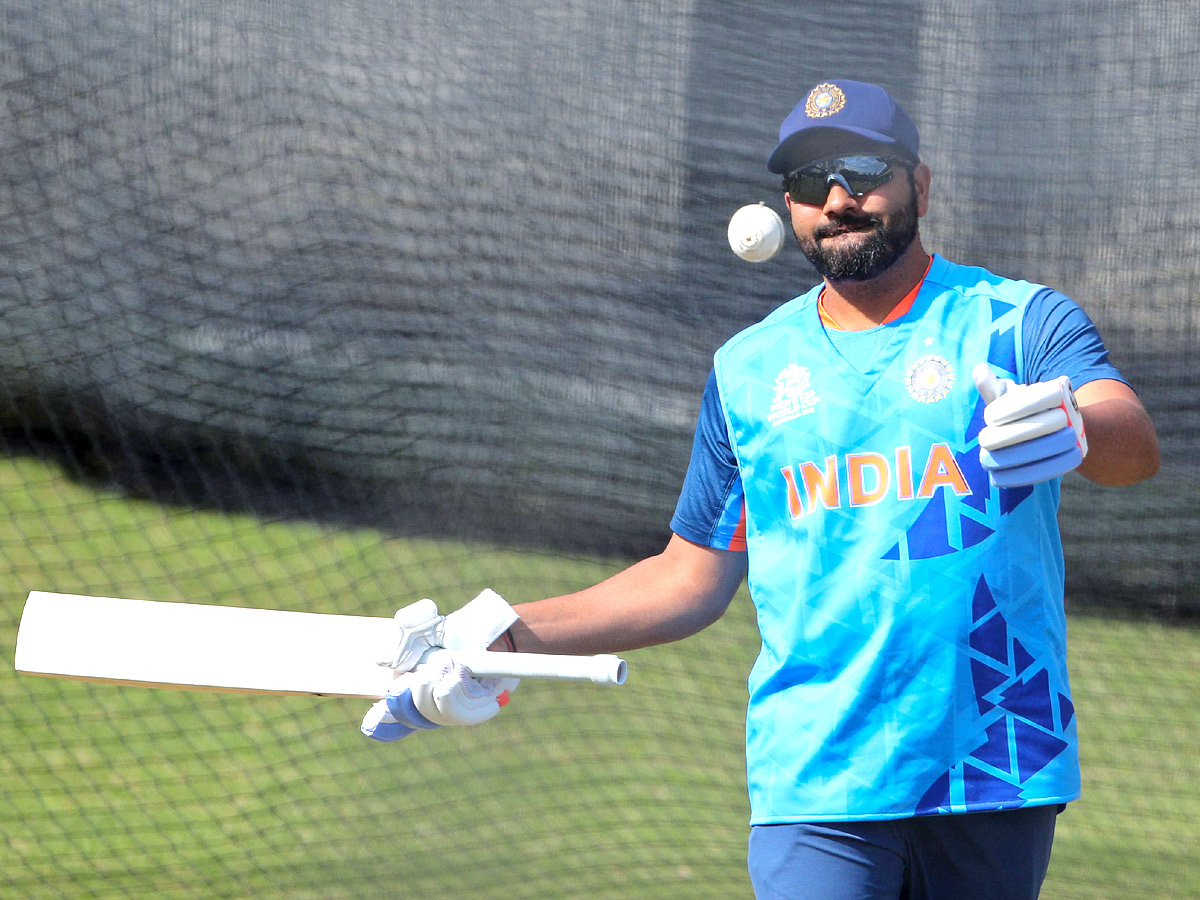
(989, 386)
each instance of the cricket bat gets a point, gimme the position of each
(192, 646)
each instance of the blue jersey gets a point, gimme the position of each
(913, 636)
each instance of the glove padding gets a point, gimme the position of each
(418, 630)
(450, 695)
(438, 692)
(421, 629)
(1033, 432)
(395, 716)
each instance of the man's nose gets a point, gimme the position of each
(840, 196)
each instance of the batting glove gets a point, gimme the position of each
(421, 629)
(1033, 432)
(439, 692)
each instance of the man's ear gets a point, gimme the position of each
(922, 176)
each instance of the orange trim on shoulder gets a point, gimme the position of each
(737, 540)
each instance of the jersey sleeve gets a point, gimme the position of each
(1060, 339)
(711, 508)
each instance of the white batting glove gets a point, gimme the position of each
(1033, 432)
(396, 716)
(439, 692)
(418, 630)
(421, 629)
(449, 695)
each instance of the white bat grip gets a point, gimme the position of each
(601, 669)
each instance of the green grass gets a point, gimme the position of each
(576, 791)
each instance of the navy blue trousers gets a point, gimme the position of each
(976, 856)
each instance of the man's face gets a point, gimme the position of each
(856, 239)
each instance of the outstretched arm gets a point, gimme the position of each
(1039, 431)
(664, 598)
(1122, 444)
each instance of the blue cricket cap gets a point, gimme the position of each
(835, 108)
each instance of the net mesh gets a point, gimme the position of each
(333, 306)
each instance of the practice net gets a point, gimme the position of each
(332, 306)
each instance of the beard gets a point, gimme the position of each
(886, 238)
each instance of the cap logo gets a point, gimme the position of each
(824, 100)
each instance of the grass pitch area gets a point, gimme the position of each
(575, 791)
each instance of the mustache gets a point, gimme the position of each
(852, 222)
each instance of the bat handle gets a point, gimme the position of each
(600, 669)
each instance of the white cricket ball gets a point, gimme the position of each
(756, 232)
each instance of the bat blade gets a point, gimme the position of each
(191, 646)
(201, 647)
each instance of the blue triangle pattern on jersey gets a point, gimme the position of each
(1066, 710)
(973, 532)
(996, 751)
(1000, 309)
(982, 602)
(1025, 719)
(936, 800)
(1021, 656)
(1035, 749)
(972, 468)
(927, 537)
(1002, 349)
(1030, 699)
(981, 787)
(990, 637)
(1011, 498)
(987, 680)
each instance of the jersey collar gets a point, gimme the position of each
(898, 311)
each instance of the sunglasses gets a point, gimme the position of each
(857, 174)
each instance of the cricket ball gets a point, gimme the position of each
(756, 232)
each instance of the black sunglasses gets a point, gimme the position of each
(857, 174)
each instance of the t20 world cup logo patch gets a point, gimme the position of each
(929, 379)
(794, 396)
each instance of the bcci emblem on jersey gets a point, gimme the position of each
(929, 379)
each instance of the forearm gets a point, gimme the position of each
(660, 599)
(1122, 443)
